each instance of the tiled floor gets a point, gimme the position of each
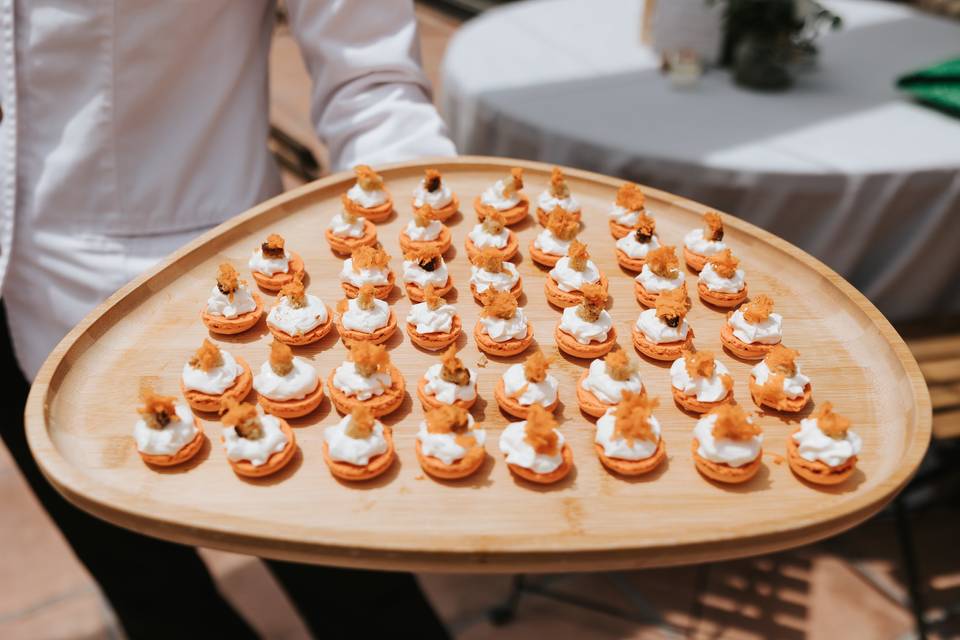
(812, 592)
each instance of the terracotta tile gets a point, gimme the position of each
(35, 557)
(80, 615)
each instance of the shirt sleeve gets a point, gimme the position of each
(370, 99)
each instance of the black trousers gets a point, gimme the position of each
(137, 573)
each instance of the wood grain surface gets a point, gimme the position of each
(82, 409)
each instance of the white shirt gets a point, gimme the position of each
(129, 126)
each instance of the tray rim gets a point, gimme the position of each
(94, 497)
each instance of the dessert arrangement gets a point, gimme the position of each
(449, 444)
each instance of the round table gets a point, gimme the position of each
(841, 165)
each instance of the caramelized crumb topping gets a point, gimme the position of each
(273, 247)
(281, 358)
(207, 357)
(432, 180)
(671, 306)
(540, 431)
(713, 226)
(348, 216)
(447, 418)
(428, 258)
(630, 197)
(361, 423)
(367, 178)
(578, 255)
(593, 303)
(453, 370)
(558, 184)
(535, 368)
(430, 296)
(157, 411)
(563, 224)
(489, 260)
(228, 280)
(370, 258)
(366, 296)
(243, 417)
(732, 423)
(493, 223)
(619, 365)
(664, 262)
(771, 392)
(632, 417)
(295, 292)
(699, 364)
(832, 424)
(369, 358)
(645, 228)
(498, 304)
(758, 309)
(724, 263)
(782, 360)
(514, 182)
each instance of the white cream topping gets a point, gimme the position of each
(220, 304)
(413, 273)
(494, 197)
(697, 243)
(520, 453)
(735, 453)
(605, 388)
(770, 331)
(714, 282)
(483, 240)
(216, 380)
(365, 320)
(175, 435)
(341, 228)
(551, 244)
(634, 249)
(258, 451)
(436, 199)
(569, 279)
(296, 384)
(654, 283)
(543, 393)
(548, 202)
(659, 332)
(358, 451)
(423, 234)
(443, 446)
(623, 216)
(269, 266)
(348, 380)
(363, 276)
(367, 199)
(586, 332)
(501, 330)
(447, 392)
(427, 320)
(615, 446)
(297, 320)
(505, 280)
(705, 389)
(792, 387)
(813, 444)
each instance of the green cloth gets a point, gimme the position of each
(937, 86)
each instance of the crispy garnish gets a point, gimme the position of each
(366, 296)
(432, 180)
(207, 357)
(535, 368)
(782, 360)
(367, 178)
(514, 182)
(370, 258)
(348, 216)
(295, 292)
(453, 370)
(498, 304)
(447, 418)
(431, 298)
(663, 261)
(671, 306)
(540, 431)
(699, 364)
(489, 260)
(361, 423)
(645, 228)
(772, 393)
(428, 258)
(724, 263)
(632, 417)
(578, 254)
(832, 424)
(422, 217)
(563, 224)
(630, 197)
(619, 365)
(273, 247)
(157, 411)
(558, 184)
(758, 309)
(281, 358)
(732, 423)
(228, 281)
(594, 301)
(369, 358)
(493, 222)
(713, 226)
(243, 417)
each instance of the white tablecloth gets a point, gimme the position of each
(842, 164)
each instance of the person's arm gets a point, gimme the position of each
(371, 99)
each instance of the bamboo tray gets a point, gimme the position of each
(82, 409)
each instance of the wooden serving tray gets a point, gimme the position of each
(83, 406)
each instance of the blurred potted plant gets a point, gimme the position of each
(763, 39)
